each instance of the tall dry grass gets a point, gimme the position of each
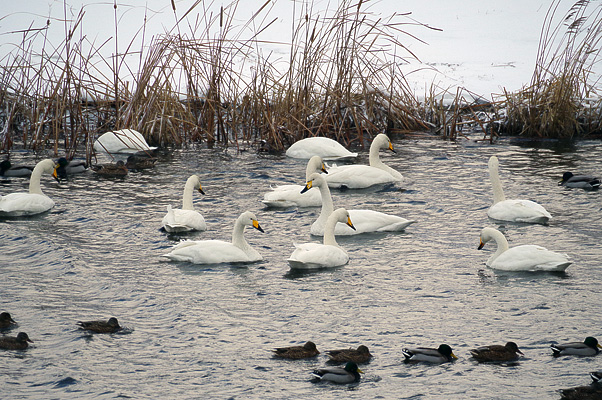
(558, 102)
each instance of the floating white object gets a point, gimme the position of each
(325, 148)
(187, 218)
(32, 203)
(122, 141)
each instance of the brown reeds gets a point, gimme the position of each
(555, 104)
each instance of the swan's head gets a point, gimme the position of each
(315, 164)
(249, 219)
(196, 180)
(486, 235)
(47, 167)
(493, 162)
(314, 179)
(342, 215)
(383, 142)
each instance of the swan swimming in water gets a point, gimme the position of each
(364, 221)
(31, 203)
(285, 196)
(329, 254)
(521, 258)
(218, 251)
(122, 141)
(187, 218)
(363, 176)
(512, 210)
(325, 148)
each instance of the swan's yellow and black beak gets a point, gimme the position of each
(201, 190)
(324, 168)
(256, 226)
(55, 174)
(391, 147)
(481, 244)
(308, 186)
(350, 223)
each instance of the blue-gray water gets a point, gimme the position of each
(197, 332)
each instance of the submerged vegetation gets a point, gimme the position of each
(208, 82)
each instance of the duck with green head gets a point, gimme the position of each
(589, 347)
(348, 374)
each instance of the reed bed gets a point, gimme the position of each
(560, 101)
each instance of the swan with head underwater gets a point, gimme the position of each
(521, 258)
(185, 219)
(512, 210)
(363, 176)
(329, 254)
(325, 148)
(122, 141)
(218, 251)
(285, 196)
(31, 203)
(364, 221)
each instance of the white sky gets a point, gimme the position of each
(483, 45)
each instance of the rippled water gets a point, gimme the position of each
(198, 332)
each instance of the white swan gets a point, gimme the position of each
(285, 196)
(364, 221)
(122, 141)
(326, 255)
(363, 176)
(325, 148)
(34, 202)
(187, 218)
(512, 210)
(218, 251)
(521, 258)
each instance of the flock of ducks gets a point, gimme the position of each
(330, 223)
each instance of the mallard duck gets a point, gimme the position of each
(508, 352)
(66, 168)
(144, 161)
(111, 170)
(363, 176)
(122, 141)
(349, 374)
(185, 219)
(512, 210)
(359, 356)
(297, 352)
(591, 392)
(325, 148)
(110, 326)
(521, 258)
(20, 342)
(589, 347)
(8, 170)
(6, 320)
(579, 181)
(31, 203)
(441, 354)
(219, 251)
(596, 376)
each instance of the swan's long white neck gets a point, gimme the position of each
(238, 237)
(329, 238)
(498, 192)
(34, 181)
(188, 190)
(313, 165)
(502, 244)
(374, 154)
(327, 204)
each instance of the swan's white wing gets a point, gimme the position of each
(208, 252)
(519, 211)
(327, 149)
(178, 220)
(530, 258)
(357, 176)
(122, 141)
(365, 221)
(316, 255)
(24, 204)
(290, 196)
